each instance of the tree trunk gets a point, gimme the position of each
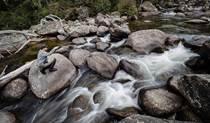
(10, 76)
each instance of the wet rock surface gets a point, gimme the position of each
(102, 46)
(103, 64)
(131, 68)
(11, 42)
(196, 89)
(79, 41)
(145, 41)
(196, 42)
(45, 85)
(15, 89)
(79, 57)
(7, 117)
(123, 113)
(159, 102)
(148, 119)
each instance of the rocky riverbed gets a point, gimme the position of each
(115, 70)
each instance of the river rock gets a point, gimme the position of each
(78, 108)
(78, 31)
(95, 40)
(79, 41)
(63, 49)
(195, 14)
(147, 7)
(196, 42)
(195, 63)
(196, 21)
(205, 51)
(98, 98)
(102, 117)
(93, 29)
(123, 113)
(172, 39)
(131, 68)
(81, 102)
(11, 42)
(118, 29)
(15, 89)
(145, 41)
(79, 57)
(102, 46)
(196, 89)
(159, 102)
(7, 117)
(148, 119)
(50, 28)
(103, 64)
(102, 30)
(61, 37)
(91, 21)
(102, 20)
(187, 114)
(179, 14)
(206, 19)
(45, 85)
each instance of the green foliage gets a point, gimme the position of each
(22, 14)
(102, 6)
(127, 6)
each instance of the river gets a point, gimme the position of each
(115, 94)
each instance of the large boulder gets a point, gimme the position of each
(148, 119)
(147, 7)
(159, 102)
(131, 68)
(45, 85)
(78, 31)
(145, 41)
(196, 42)
(103, 64)
(79, 57)
(15, 89)
(50, 28)
(196, 89)
(7, 117)
(102, 20)
(11, 42)
(118, 29)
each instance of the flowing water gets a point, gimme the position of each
(113, 93)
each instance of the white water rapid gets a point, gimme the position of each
(113, 93)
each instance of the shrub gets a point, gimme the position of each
(127, 6)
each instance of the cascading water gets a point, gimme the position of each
(113, 93)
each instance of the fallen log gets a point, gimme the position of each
(10, 76)
(3, 72)
(30, 40)
(16, 31)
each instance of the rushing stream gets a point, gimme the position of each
(114, 93)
